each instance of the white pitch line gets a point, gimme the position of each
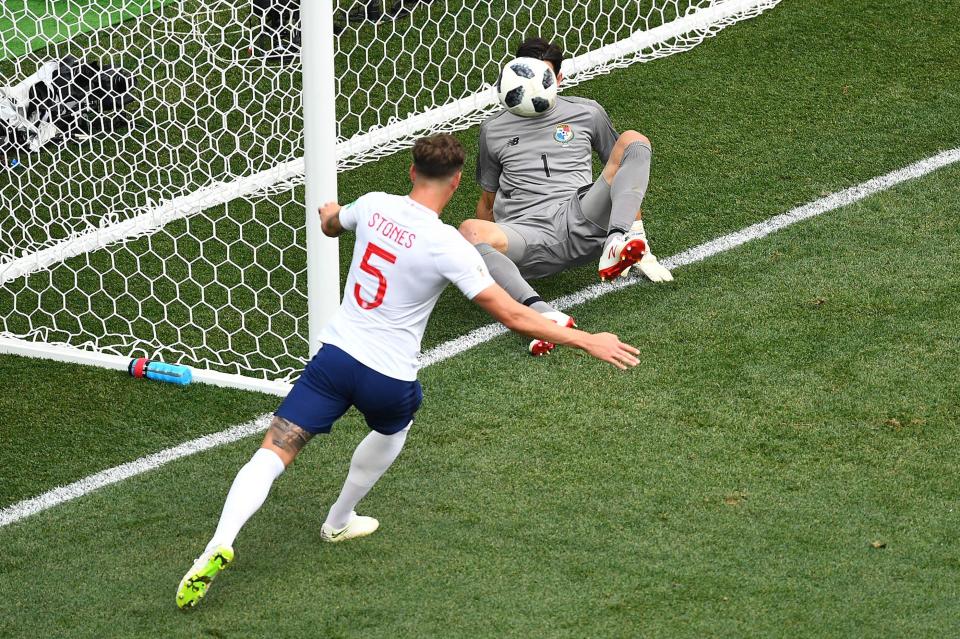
(719, 245)
(444, 351)
(116, 474)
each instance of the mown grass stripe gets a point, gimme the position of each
(708, 249)
(840, 199)
(117, 474)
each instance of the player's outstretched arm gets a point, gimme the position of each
(330, 219)
(523, 320)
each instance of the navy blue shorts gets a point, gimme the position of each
(334, 381)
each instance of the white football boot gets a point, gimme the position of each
(358, 526)
(540, 347)
(620, 253)
(648, 265)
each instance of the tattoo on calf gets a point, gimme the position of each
(287, 436)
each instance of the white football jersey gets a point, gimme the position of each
(402, 260)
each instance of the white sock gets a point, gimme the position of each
(612, 239)
(637, 229)
(247, 494)
(370, 461)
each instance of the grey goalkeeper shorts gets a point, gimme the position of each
(573, 235)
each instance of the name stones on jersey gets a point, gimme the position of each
(391, 230)
(392, 289)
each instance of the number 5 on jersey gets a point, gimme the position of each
(366, 267)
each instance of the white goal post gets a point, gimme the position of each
(187, 232)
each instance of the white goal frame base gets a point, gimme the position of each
(459, 114)
(72, 355)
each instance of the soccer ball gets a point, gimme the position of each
(527, 87)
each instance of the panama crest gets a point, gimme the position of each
(563, 134)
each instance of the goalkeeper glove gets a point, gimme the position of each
(652, 269)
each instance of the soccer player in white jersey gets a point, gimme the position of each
(403, 258)
(540, 210)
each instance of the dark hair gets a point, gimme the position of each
(542, 50)
(438, 156)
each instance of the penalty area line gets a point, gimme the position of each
(840, 199)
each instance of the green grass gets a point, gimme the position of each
(797, 402)
(802, 409)
(773, 113)
(26, 25)
(205, 110)
(108, 419)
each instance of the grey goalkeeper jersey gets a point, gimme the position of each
(536, 164)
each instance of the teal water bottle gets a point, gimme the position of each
(160, 371)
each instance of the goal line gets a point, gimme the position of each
(70, 354)
(447, 350)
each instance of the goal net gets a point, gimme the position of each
(172, 227)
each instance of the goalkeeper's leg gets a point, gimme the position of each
(627, 172)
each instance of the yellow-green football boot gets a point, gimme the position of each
(196, 582)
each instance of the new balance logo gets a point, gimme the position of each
(514, 141)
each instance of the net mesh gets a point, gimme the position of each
(181, 236)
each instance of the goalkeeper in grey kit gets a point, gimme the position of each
(541, 212)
